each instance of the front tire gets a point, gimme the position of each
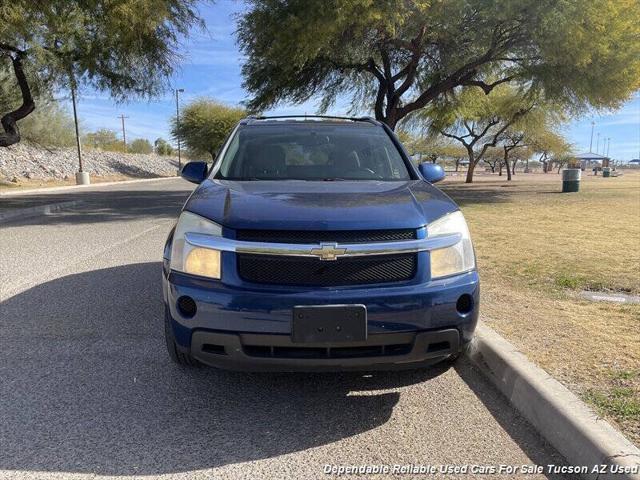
(178, 357)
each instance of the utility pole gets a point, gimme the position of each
(591, 142)
(598, 143)
(124, 133)
(178, 91)
(608, 145)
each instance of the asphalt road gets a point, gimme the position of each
(87, 389)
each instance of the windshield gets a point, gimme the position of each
(312, 152)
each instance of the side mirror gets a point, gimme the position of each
(431, 172)
(195, 172)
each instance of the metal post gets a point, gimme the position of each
(178, 90)
(591, 142)
(598, 143)
(75, 120)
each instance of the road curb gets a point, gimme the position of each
(566, 422)
(79, 187)
(20, 213)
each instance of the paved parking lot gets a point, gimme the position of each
(86, 388)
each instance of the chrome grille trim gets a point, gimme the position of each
(305, 250)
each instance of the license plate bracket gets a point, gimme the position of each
(329, 324)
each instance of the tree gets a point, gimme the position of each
(162, 147)
(397, 56)
(104, 139)
(476, 120)
(205, 124)
(540, 123)
(548, 145)
(140, 145)
(127, 48)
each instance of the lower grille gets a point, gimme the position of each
(283, 270)
(334, 352)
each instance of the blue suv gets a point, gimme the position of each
(314, 243)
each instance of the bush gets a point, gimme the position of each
(140, 145)
(104, 139)
(162, 147)
(50, 126)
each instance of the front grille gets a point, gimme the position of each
(283, 270)
(337, 236)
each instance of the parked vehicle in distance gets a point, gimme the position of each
(314, 243)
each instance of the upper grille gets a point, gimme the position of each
(304, 271)
(338, 236)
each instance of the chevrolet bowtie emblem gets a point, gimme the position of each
(328, 251)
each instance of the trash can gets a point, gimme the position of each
(571, 180)
(606, 171)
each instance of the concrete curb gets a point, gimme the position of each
(76, 187)
(20, 213)
(561, 417)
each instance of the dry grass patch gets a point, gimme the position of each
(536, 249)
(26, 184)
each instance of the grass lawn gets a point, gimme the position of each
(537, 249)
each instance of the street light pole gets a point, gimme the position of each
(82, 177)
(591, 142)
(597, 143)
(75, 120)
(178, 91)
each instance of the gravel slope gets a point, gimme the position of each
(24, 161)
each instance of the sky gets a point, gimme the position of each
(211, 68)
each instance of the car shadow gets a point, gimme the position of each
(87, 387)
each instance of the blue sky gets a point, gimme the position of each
(211, 67)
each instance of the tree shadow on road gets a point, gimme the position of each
(87, 387)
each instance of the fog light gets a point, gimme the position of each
(187, 307)
(464, 304)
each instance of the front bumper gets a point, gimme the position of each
(259, 352)
(231, 318)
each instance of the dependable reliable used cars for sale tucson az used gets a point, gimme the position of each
(314, 243)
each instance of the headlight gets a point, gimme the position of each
(456, 259)
(190, 259)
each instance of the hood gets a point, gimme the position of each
(337, 205)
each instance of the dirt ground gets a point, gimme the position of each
(537, 248)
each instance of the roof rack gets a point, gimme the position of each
(311, 117)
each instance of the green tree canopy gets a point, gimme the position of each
(140, 145)
(125, 47)
(104, 139)
(204, 124)
(476, 120)
(396, 56)
(162, 147)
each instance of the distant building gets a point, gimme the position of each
(589, 160)
(635, 162)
